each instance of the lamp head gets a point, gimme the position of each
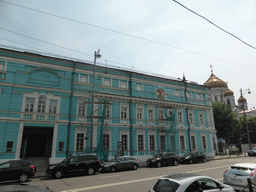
(97, 54)
(249, 92)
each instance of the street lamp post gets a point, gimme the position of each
(96, 55)
(248, 135)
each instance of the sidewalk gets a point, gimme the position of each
(41, 173)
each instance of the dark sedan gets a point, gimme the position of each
(162, 159)
(193, 157)
(20, 170)
(121, 163)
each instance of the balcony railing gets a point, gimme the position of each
(40, 117)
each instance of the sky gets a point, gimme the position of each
(154, 36)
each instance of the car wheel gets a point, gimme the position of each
(58, 174)
(175, 162)
(113, 169)
(190, 161)
(90, 171)
(23, 177)
(135, 167)
(204, 160)
(159, 164)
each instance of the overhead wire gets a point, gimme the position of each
(214, 24)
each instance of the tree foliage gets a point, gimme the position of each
(226, 122)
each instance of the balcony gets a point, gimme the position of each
(42, 117)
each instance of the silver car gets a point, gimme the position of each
(121, 163)
(236, 175)
(189, 182)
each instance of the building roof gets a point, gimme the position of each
(228, 92)
(214, 82)
(241, 99)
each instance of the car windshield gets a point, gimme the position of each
(254, 148)
(239, 171)
(164, 185)
(187, 154)
(157, 155)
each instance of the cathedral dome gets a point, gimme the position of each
(214, 82)
(228, 92)
(241, 99)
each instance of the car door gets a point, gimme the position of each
(74, 164)
(5, 171)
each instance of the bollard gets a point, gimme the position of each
(250, 184)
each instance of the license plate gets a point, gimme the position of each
(236, 180)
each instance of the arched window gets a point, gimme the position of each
(160, 94)
(41, 104)
(228, 101)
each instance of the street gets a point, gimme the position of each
(140, 180)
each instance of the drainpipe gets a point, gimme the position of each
(186, 100)
(70, 109)
(130, 114)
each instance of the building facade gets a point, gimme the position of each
(46, 110)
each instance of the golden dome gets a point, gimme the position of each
(228, 92)
(241, 99)
(214, 81)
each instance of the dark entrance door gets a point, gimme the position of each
(37, 142)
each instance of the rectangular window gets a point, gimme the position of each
(139, 113)
(152, 142)
(53, 106)
(61, 145)
(201, 119)
(204, 142)
(179, 117)
(124, 111)
(83, 79)
(123, 85)
(29, 106)
(81, 109)
(160, 115)
(107, 112)
(182, 142)
(150, 115)
(125, 142)
(190, 117)
(139, 87)
(140, 143)
(107, 82)
(9, 146)
(162, 142)
(106, 142)
(193, 142)
(80, 142)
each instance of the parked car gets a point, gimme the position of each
(162, 159)
(187, 182)
(237, 174)
(121, 163)
(252, 152)
(86, 163)
(20, 170)
(24, 188)
(193, 157)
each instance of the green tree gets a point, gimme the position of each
(251, 122)
(226, 123)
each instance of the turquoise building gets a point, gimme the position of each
(46, 110)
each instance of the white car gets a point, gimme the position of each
(237, 174)
(185, 182)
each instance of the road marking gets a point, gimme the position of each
(110, 176)
(132, 181)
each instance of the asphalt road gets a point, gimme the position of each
(140, 180)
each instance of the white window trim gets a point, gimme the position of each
(151, 132)
(193, 119)
(182, 118)
(120, 84)
(140, 107)
(182, 133)
(104, 81)
(109, 131)
(125, 132)
(153, 109)
(140, 85)
(80, 130)
(141, 132)
(80, 100)
(193, 134)
(201, 113)
(127, 115)
(204, 135)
